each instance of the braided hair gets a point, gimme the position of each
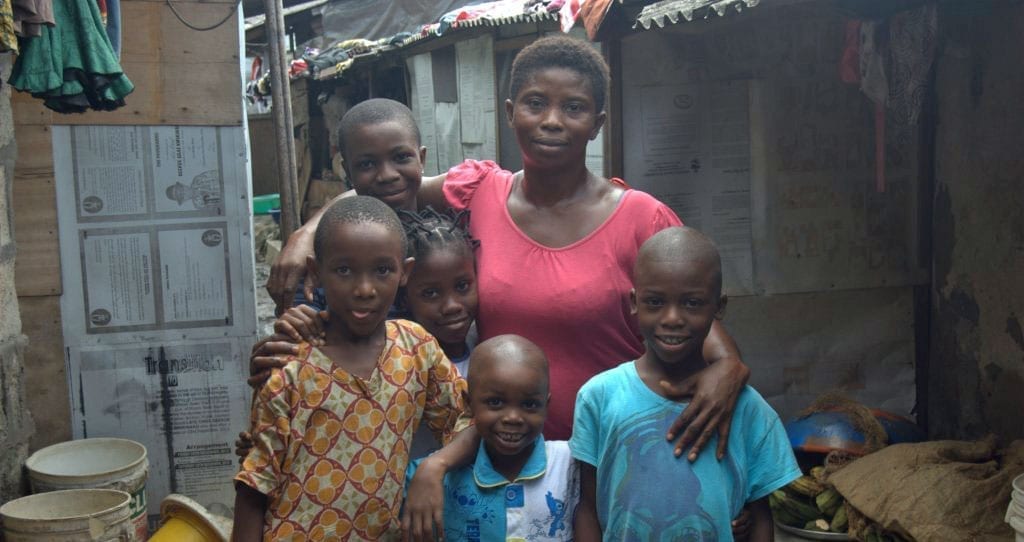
(428, 230)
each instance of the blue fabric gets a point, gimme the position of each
(114, 25)
(482, 505)
(646, 493)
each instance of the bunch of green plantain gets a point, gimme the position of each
(807, 503)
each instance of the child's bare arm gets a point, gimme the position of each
(250, 506)
(432, 193)
(586, 527)
(290, 265)
(424, 502)
(761, 527)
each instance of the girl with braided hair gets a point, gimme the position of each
(441, 293)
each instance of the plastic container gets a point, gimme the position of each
(72, 515)
(185, 520)
(99, 463)
(261, 205)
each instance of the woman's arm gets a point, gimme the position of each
(712, 396)
(250, 507)
(586, 528)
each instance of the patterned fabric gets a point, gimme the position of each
(8, 41)
(331, 449)
(620, 428)
(539, 505)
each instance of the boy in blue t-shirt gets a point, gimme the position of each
(632, 485)
(519, 487)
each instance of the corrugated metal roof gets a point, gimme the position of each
(257, 21)
(416, 39)
(673, 11)
(534, 17)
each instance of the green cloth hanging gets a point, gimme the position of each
(72, 66)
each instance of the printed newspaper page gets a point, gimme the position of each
(158, 305)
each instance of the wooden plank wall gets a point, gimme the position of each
(182, 76)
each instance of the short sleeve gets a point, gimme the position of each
(773, 464)
(461, 181)
(443, 409)
(586, 426)
(271, 432)
(664, 217)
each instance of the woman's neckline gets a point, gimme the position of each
(518, 176)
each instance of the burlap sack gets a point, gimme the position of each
(935, 491)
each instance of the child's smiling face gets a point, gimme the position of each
(385, 161)
(508, 398)
(442, 295)
(361, 270)
(675, 301)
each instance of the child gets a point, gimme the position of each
(332, 428)
(519, 487)
(633, 487)
(382, 158)
(440, 295)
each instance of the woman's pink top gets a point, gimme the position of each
(572, 301)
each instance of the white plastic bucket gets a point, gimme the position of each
(72, 515)
(100, 463)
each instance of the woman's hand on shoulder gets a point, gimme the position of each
(713, 393)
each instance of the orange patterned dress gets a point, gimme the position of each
(331, 448)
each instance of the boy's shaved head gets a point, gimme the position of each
(356, 210)
(681, 243)
(507, 350)
(376, 111)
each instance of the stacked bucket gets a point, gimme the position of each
(1015, 512)
(88, 490)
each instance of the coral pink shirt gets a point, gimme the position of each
(572, 301)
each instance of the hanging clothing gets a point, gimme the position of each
(31, 15)
(8, 40)
(72, 66)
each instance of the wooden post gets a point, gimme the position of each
(284, 124)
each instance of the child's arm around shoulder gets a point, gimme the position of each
(444, 412)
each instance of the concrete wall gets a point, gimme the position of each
(15, 423)
(976, 382)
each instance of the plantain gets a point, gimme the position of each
(840, 522)
(806, 485)
(795, 507)
(816, 525)
(818, 473)
(828, 501)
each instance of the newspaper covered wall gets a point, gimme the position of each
(158, 305)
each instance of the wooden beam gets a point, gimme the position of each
(34, 200)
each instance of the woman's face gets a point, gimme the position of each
(554, 117)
